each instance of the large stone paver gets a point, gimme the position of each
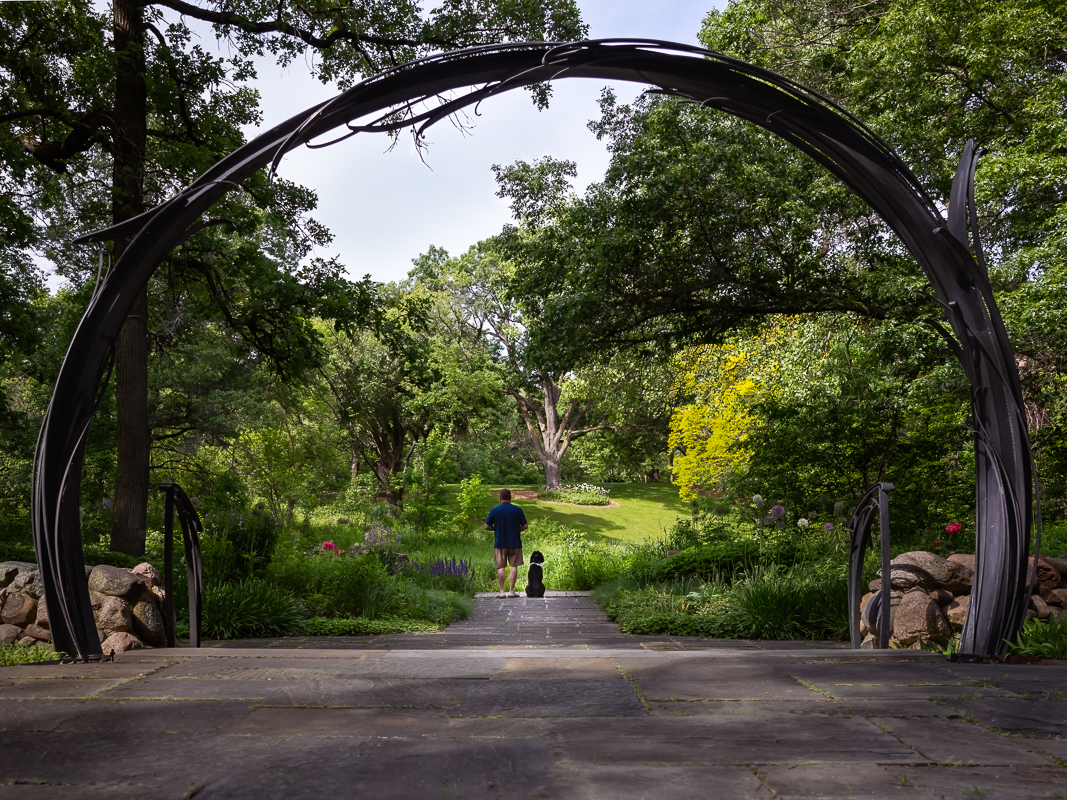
(468, 713)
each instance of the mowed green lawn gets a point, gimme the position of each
(644, 512)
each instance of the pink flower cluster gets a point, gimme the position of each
(953, 528)
(329, 546)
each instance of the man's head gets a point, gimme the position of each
(505, 495)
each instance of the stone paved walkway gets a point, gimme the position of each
(532, 699)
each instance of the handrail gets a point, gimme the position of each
(860, 525)
(191, 528)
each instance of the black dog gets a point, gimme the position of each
(535, 576)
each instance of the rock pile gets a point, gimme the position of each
(127, 606)
(930, 596)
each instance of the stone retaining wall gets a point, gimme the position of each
(930, 596)
(127, 606)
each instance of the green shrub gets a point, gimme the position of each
(673, 624)
(582, 494)
(471, 503)
(582, 564)
(771, 605)
(437, 605)
(338, 586)
(360, 626)
(1041, 638)
(238, 545)
(15, 653)
(248, 609)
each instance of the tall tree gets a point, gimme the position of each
(388, 392)
(86, 94)
(927, 75)
(700, 223)
(553, 399)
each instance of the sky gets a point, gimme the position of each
(386, 208)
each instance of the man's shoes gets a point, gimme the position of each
(513, 594)
(501, 595)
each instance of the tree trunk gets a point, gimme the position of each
(550, 433)
(131, 349)
(552, 466)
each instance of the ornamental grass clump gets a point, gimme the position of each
(250, 608)
(770, 604)
(15, 653)
(1041, 639)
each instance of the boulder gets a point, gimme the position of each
(1059, 564)
(9, 570)
(96, 600)
(1047, 575)
(1048, 595)
(19, 609)
(1039, 606)
(874, 585)
(941, 596)
(148, 573)
(1060, 595)
(919, 618)
(864, 630)
(919, 569)
(28, 641)
(1030, 614)
(966, 559)
(159, 593)
(869, 643)
(956, 611)
(42, 614)
(114, 616)
(1055, 612)
(867, 610)
(9, 633)
(120, 642)
(116, 582)
(38, 633)
(28, 581)
(148, 622)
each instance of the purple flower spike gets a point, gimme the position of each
(778, 512)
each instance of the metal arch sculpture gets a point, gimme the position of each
(458, 79)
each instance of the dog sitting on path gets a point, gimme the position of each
(535, 576)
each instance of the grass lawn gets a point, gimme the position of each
(645, 510)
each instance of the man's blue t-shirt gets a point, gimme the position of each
(506, 520)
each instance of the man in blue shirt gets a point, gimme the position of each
(508, 521)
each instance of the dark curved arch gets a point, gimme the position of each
(813, 124)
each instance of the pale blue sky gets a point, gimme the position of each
(385, 208)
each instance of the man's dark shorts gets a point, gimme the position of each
(507, 556)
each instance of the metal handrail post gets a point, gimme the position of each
(168, 565)
(885, 621)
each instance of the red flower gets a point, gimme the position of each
(937, 542)
(953, 528)
(328, 546)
